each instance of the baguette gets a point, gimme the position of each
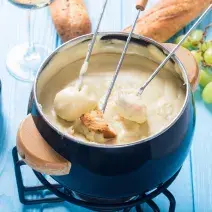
(168, 17)
(70, 18)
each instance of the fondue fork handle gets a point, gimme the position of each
(140, 6)
(173, 51)
(90, 48)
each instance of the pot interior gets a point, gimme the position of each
(144, 54)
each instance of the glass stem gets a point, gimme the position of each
(30, 34)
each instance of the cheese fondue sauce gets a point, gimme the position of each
(164, 96)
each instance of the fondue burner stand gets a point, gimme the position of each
(61, 194)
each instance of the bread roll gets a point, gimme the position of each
(167, 17)
(70, 18)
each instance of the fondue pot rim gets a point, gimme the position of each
(102, 34)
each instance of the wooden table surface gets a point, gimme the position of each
(193, 187)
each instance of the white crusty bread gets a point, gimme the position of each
(36, 153)
(94, 121)
(70, 18)
(167, 17)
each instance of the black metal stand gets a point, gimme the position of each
(62, 194)
(23, 190)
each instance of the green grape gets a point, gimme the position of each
(196, 36)
(178, 39)
(207, 93)
(208, 56)
(204, 46)
(186, 43)
(197, 55)
(204, 78)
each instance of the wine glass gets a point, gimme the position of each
(24, 59)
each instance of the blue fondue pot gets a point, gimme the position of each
(111, 172)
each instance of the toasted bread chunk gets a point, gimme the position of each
(94, 121)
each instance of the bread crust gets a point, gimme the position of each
(94, 121)
(70, 18)
(168, 17)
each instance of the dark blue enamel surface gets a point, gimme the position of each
(127, 171)
(124, 171)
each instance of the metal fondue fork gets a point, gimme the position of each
(141, 6)
(141, 89)
(90, 48)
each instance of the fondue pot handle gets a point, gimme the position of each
(189, 63)
(141, 4)
(36, 152)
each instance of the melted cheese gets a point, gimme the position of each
(163, 98)
(70, 103)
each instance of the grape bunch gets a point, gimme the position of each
(202, 52)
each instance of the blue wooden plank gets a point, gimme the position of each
(201, 156)
(201, 150)
(15, 94)
(112, 17)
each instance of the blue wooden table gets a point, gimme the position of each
(192, 188)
